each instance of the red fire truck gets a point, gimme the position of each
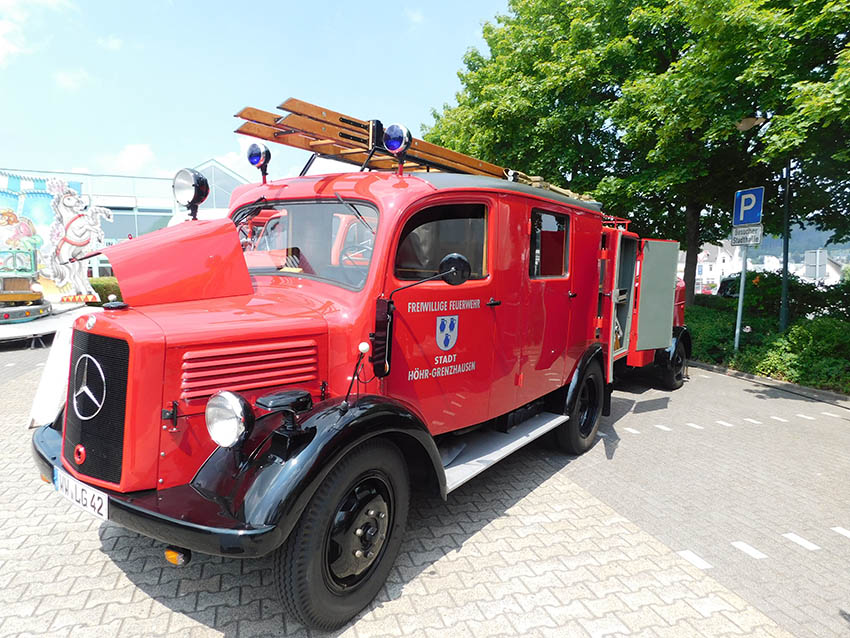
(277, 382)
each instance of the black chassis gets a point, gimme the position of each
(244, 504)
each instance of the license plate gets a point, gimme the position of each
(84, 496)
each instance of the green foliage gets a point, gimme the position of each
(716, 302)
(105, 286)
(814, 352)
(637, 102)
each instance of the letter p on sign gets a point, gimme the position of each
(748, 206)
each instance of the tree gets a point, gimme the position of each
(637, 104)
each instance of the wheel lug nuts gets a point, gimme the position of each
(371, 512)
(382, 515)
(358, 553)
(358, 532)
(370, 555)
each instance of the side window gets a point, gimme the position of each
(549, 245)
(435, 232)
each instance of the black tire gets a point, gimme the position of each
(316, 570)
(673, 377)
(577, 435)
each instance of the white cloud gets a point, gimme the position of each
(133, 159)
(415, 16)
(15, 15)
(71, 80)
(236, 160)
(110, 42)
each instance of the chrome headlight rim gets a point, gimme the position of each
(229, 418)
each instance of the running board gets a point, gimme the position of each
(485, 448)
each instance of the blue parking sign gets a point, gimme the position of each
(748, 205)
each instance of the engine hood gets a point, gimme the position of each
(193, 261)
(241, 318)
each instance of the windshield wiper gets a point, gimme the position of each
(356, 212)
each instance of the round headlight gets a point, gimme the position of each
(229, 418)
(396, 139)
(190, 187)
(259, 155)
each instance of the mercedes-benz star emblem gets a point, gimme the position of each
(89, 387)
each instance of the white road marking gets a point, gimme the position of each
(694, 560)
(9, 365)
(664, 427)
(694, 426)
(804, 416)
(842, 531)
(753, 421)
(728, 425)
(39, 365)
(632, 430)
(834, 416)
(779, 418)
(802, 542)
(704, 376)
(749, 550)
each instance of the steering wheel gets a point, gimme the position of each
(353, 272)
(355, 251)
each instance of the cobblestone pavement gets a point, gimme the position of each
(532, 547)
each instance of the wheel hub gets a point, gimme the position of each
(359, 535)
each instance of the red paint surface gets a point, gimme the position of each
(190, 261)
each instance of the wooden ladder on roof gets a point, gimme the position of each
(355, 141)
(348, 139)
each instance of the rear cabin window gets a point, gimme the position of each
(435, 232)
(549, 245)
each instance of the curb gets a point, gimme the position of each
(833, 398)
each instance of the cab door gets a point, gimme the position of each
(443, 335)
(548, 300)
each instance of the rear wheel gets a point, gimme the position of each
(577, 435)
(343, 547)
(673, 377)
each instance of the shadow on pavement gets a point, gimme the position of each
(221, 592)
(767, 392)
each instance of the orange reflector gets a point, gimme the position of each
(45, 479)
(178, 557)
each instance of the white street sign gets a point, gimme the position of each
(747, 235)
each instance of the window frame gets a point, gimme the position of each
(567, 237)
(488, 206)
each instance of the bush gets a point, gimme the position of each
(105, 286)
(814, 352)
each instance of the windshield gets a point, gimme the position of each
(318, 240)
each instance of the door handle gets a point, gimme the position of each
(493, 303)
(573, 294)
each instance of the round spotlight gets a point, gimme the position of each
(259, 155)
(229, 418)
(397, 139)
(190, 187)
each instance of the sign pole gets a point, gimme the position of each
(741, 299)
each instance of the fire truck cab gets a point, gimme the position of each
(278, 382)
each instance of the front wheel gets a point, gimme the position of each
(577, 435)
(343, 547)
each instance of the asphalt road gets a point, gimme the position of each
(720, 509)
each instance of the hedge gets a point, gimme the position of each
(105, 286)
(815, 351)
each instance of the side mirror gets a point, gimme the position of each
(455, 269)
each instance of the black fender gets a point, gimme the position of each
(273, 484)
(594, 352)
(664, 356)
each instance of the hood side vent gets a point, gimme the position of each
(248, 367)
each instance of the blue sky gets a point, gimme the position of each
(147, 87)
